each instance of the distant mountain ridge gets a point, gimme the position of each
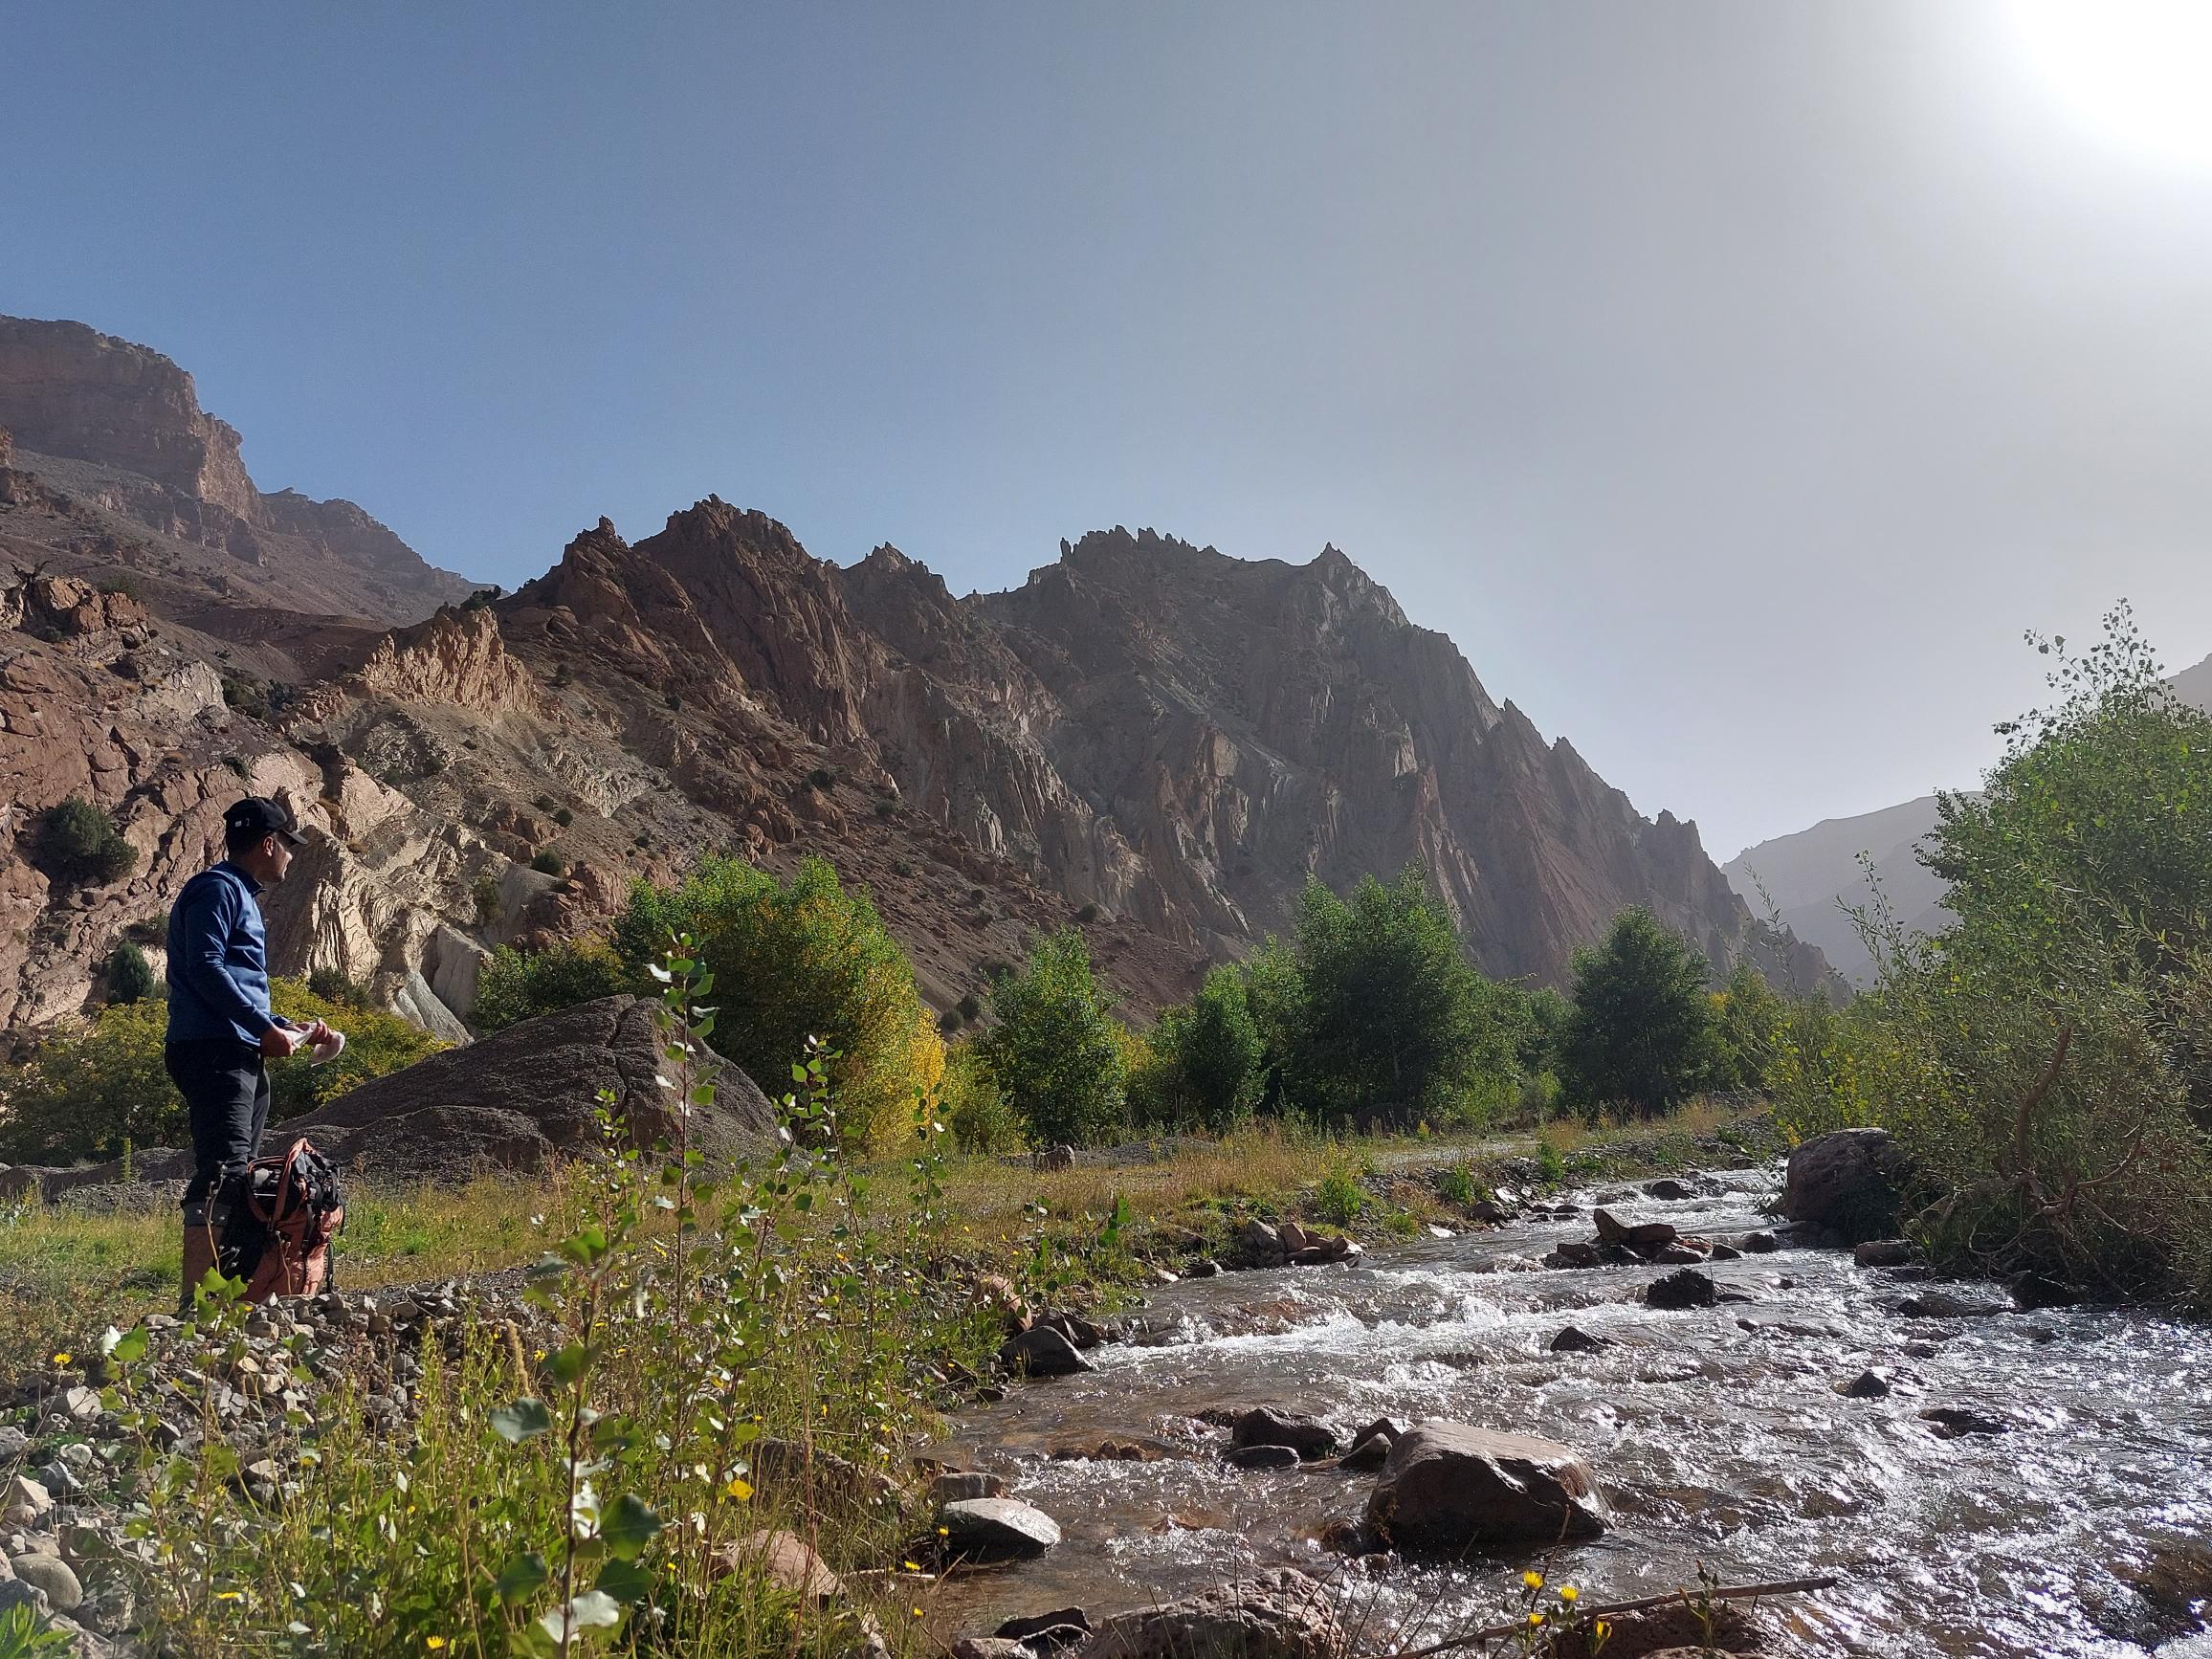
(114, 434)
(1813, 873)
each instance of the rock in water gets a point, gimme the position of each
(1277, 1615)
(1883, 1252)
(1366, 1457)
(1062, 1624)
(1043, 1352)
(1573, 1340)
(954, 1485)
(1264, 1426)
(1866, 1385)
(1950, 1422)
(1449, 1488)
(1847, 1182)
(997, 1526)
(1685, 1289)
(1261, 1457)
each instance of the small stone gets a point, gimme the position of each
(1723, 1252)
(1667, 1187)
(1759, 1244)
(1687, 1288)
(1054, 1629)
(1883, 1252)
(81, 1402)
(1574, 1340)
(784, 1560)
(1866, 1385)
(1205, 1267)
(1250, 1457)
(24, 1502)
(1264, 1426)
(1367, 1456)
(1950, 1422)
(51, 1575)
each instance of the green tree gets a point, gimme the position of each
(77, 838)
(1641, 1031)
(1053, 1048)
(1395, 1021)
(2043, 1057)
(1750, 1016)
(520, 985)
(1212, 1045)
(130, 977)
(807, 957)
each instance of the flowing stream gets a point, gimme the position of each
(1716, 1434)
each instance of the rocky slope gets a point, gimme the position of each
(115, 461)
(1148, 739)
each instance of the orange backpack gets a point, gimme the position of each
(287, 1211)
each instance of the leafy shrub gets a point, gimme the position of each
(564, 817)
(970, 1008)
(77, 838)
(820, 778)
(333, 987)
(807, 957)
(95, 1084)
(2043, 1057)
(1749, 1016)
(519, 984)
(130, 977)
(547, 862)
(1641, 1033)
(1340, 1199)
(484, 895)
(1054, 1050)
(153, 930)
(974, 1107)
(1088, 915)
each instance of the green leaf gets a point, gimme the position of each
(519, 1421)
(625, 1580)
(629, 1526)
(569, 1363)
(523, 1576)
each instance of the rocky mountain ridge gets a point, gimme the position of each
(115, 463)
(1148, 739)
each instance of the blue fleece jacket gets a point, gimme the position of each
(218, 958)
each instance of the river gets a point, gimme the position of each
(1717, 1435)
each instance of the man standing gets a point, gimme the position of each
(221, 1029)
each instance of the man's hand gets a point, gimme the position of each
(277, 1042)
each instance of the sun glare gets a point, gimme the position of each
(2138, 71)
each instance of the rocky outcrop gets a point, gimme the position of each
(110, 436)
(1449, 1488)
(1846, 1185)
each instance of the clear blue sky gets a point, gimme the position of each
(1733, 383)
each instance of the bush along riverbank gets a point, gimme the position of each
(688, 1427)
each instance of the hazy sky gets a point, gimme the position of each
(1733, 382)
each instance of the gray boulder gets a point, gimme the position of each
(1449, 1488)
(997, 1527)
(51, 1575)
(1274, 1614)
(1042, 1351)
(1849, 1183)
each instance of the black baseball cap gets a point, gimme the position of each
(254, 817)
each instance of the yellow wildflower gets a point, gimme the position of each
(1535, 1617)
(1533, 1581)
(62, 1359)
(433, 1643)
(1568, 1592)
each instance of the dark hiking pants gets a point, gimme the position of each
(226, 1091)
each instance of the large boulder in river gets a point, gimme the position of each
(1849, 1183)
(1271, 1615)
(1449, 1488)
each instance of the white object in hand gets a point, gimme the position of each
(328, 1050)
